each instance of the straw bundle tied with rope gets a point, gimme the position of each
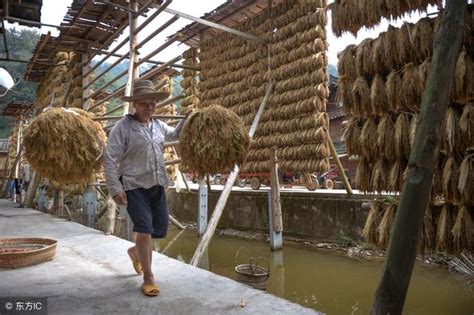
(451, 174)
(462, 231)
(64, 145)
(385, 138)
(396, 176)
(402, 135)
(450, 132)
(463, 90)
(351, 134)
(368, 139)
(378, 96)
(363, 175)
(213, 140)
(350, 16)
(466, 178)
(361, 97)
(379, 175)
(444, 227)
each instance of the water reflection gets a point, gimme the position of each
(325, 281)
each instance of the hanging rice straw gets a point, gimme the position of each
(369, 233)
(462, 230)
(444, 227)
(64, 145)
(466, 179)
(361, 97)
(451, 176)
(378, 97)
(385, 226)
(385, 137)
(213, 140)
(402, 135)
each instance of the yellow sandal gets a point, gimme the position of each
(151, 289)
(136, 264)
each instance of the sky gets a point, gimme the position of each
(53, 12)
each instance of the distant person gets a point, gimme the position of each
(17, 182)
(136, 175)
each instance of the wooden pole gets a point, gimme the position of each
(31, 192)
(275, 191)
(221, 202)
(132, 66)
(85, 81)
(202, 211)
(176, 222)
(398, 267)
(339, 166)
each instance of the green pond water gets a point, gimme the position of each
(322, 280)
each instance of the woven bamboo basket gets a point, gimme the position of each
(22, 252)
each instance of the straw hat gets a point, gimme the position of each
(145, 90)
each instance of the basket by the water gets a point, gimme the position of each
(252, 275)
(22, 252)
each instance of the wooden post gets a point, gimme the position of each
(32, 188)
(110, 215)
(274, 207)
(85, 81)
(60, 204)
(176, 222)
(340, 169)
(221, 202)
(132, 69)
(415, 197)
(89, 207)
(42, 199)
(202, 211)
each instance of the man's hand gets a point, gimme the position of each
(121, 198)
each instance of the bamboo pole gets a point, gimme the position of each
(176, 222)
(277, 220)
(398, 266)
(31, 191)
(132, 66)
(339, 166)
(158, 31)
(221, 202)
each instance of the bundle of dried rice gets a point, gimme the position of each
(450, 179)
(213, 140)
(64, 145)
(361, 97)
(368, 139)
(410, 97)
(404, 44)
(463, 90)
(462, 230)
(369, 233)
(394, 88)
(379, 175)
(345, 90)
(385, 226)
(422, 76)
(402, 135)
(377, 54)
(422, 35)
(363, 173)
(346, 65)
(466, 124)
(390, 48)
(351, 134)
(444, 227)
(466, 179)
(363, 58)
(450, 132)
(385, 137)
(378, 97)
(395, 177)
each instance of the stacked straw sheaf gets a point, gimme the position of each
(65, 145)
(213, 140)
(189, 82)
(350, 16)
(234, 73)
(382, 84)
(52, 88)
(165, 84)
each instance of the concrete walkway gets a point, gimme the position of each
(92, 274)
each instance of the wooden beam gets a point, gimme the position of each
(339, 166)
(416, 193)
